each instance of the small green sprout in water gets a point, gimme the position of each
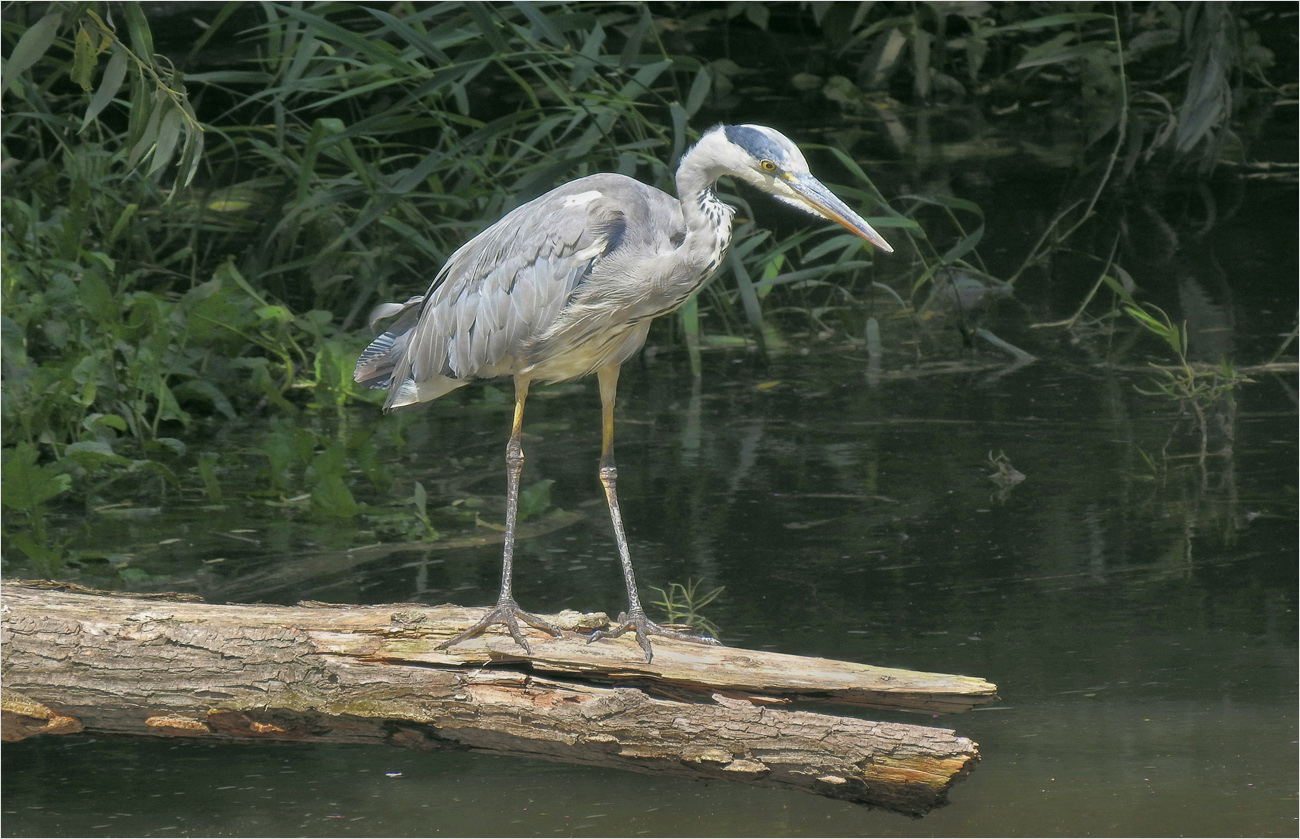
(682, 605)
(1197, 388)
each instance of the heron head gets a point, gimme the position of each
(766, 158)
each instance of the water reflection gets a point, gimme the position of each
(1141, 627)
(1058, 767)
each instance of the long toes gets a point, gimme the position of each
(507, 615)
(513, 626)
(474, 630)
(683, 636)
(538, 623)
(645, 646)
(643, 628)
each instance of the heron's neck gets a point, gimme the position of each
(708, 220)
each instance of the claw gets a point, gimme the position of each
(644, 627)
(505, 613)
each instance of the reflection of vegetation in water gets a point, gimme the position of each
(1004, 475)
(188, 244)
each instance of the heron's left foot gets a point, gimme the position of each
(508, 614)
(644, 627)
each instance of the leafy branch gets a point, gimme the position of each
(160, 113)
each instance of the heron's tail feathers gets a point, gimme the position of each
(375, 366)
(384, 366)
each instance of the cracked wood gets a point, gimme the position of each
(150, 666)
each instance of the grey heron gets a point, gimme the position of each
(567, 285)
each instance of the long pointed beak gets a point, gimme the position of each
(814, 196)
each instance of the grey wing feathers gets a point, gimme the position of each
(375, 366)
(501, 288)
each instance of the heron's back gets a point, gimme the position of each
(559, 287)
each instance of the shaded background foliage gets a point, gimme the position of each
(202, 202)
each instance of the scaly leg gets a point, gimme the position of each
(634, 618)
(507, 610)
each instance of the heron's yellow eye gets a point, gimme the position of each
(768, 166)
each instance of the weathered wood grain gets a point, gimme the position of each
(111, 664)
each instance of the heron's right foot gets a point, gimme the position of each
(508, 614)
(637, 623)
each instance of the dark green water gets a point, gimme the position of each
(1141, 625)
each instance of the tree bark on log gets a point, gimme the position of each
(169, 666)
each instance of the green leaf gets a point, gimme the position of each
(261, 377)
(542, 23)
(31, 46)
(207, 390)
(134, 576)
(147, 137)
(371, 50)
(1118, 287)
(333, 498)
(84, 59)
(276, 314)
(757, 14)
(921, 64)
(38, 553)
(208, 474)
(700, 88)
(191, 154)
(329, 493)
(171, 445)
(168, 407)
(1056, 54)
(1052, 20)
(748, 296)
(94, 422)
(138, 25)
(535, 500)
(1125, 280)
(680, 120)
(589, 55)
(27, 485)
(124, 218)
(407, 33)
(421, 500)
(639, 84)
(964, 246)
(94, 453)
(97, 299)
(1161, 327)
(227, 271)
(169, 133)
(634, 38)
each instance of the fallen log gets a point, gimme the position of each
(171, 666)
